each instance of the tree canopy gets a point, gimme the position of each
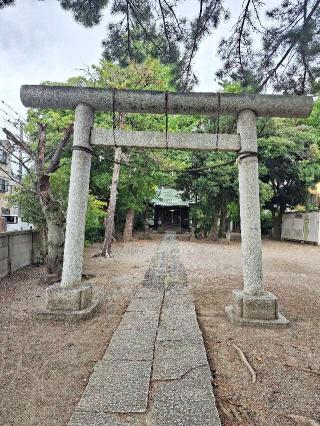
(268, 47)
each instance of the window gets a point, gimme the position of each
(12, 219)
(3, 185)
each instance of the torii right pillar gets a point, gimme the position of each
(252, 305)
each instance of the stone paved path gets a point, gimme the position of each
(155, 369)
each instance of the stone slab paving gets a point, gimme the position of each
(155, 370)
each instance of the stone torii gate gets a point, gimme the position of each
(72, 298)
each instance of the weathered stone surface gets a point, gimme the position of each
(71, 316)
(188, 401)
(118, 387)
(250, 206)
(143, 305)
(173, 359)
(145, 319)
(82, 418)
(123, 349)
(78, 197)
(202, 141)
(64, 97)
(178, 329)
(280, 322)
(264, 307)
(181, 380)
(252, 310)
(68, 299)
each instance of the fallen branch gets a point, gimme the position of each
(246, 363)
(302, 421)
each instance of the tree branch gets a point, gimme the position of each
(244, 18)
(18, 142)
(274, 70)
(174, 15)
(143, 28)
(55, 161)
(194, 45)
(41, 149)
(164, 22)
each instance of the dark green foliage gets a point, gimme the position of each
(4, 3)
(88, 12)
(154, 28)
(289, 164)
(290, 54)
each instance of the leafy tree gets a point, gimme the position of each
(150, 75)
(213, 184)
(289, 58)
(88, 13)
(40, 164)
(276, 47)
(138, 185)
(289, 164)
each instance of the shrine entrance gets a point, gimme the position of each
(252, 305)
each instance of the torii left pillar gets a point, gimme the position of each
(72, 298)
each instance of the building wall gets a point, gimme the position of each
(315, 195)
(301, 227)
(7, 185)
(18, 249)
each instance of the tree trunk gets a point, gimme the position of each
(223, 221)
(213, 234)
(109, 223)
(276, 225)
(56, 225)
(127, 233)
(55, 243)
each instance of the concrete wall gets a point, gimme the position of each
(301, 227)
(18, 249)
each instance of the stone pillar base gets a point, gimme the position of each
(73, 303)
(259, 310)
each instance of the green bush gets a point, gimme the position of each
(95, 220)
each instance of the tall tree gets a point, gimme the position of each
(290, 165)
(281, 52)
(40, 165)
(150, 75)
(274, 47)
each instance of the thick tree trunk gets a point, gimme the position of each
(109, 223)
(56, 224)
(55, 242)
(127, 233)
(213, 234)
(55, 233)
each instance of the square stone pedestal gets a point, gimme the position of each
(260, 310)
(63, 303)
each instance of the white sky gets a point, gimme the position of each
(39, 41)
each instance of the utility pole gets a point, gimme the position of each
(20, 151)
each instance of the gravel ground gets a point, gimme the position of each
(279, 357)
(44, 366)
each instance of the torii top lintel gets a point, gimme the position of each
(138, 101)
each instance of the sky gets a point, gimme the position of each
(39, 41)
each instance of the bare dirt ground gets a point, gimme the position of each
(280, 357)
(44, 366)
